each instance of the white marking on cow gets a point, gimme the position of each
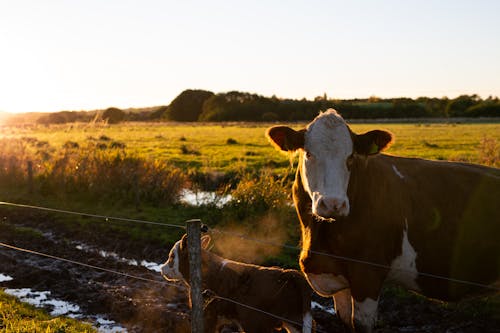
(400, 175)
(327, 284)
(223, 264)
(170, 269)
(327, 147)
(404, 268)
(365, 313)
(307, 323)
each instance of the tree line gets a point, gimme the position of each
(201, 105)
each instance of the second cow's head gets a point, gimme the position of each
(328, 147)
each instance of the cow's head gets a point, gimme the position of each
(327, 147)
(176, 268)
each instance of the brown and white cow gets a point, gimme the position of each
(283, 293)
(410, 218)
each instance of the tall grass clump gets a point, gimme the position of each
(260, 193)
(489, 152)
(90, 173)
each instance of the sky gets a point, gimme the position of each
(93, 54)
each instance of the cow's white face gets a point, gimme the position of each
(170, 269)
(328, 150)
(328, 147)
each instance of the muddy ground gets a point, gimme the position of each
(152, 305)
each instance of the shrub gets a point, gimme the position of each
(261, 192)
(489, 152)
(113, 115)
(90, 174)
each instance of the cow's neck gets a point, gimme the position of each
(216, 272)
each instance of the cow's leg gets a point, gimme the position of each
(365, 314)
(344, 307)
(366, 285)
(365, 297)
(210, 316)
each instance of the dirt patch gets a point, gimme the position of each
(152, 305)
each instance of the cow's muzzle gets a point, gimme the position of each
(331, 207)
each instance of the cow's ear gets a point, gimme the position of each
(184, 241)
(285, 138)
(372, 142)
(205, 241)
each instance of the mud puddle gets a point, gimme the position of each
(148, 303)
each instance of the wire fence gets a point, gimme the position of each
(136, 277)
(216, 230)
(256, 240)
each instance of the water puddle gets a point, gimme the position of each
(57, 307)
(42, 299)
(201, 198)
(328, 309)
(152, 266)
(4, 278)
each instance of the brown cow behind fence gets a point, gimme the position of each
(283, 293)
(423, 224)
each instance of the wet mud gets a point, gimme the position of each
(148, 303)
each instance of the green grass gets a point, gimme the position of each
(18, 317)
(230, 147)
(235, 148)
(238, 149)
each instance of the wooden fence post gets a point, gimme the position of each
(194, 244)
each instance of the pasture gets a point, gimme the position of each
(232, 146)
(184, 153)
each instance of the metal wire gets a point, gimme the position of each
(358, 261)
(268, 313)
(242, 236)
(91, 215)
(143, 279)
(12, 247)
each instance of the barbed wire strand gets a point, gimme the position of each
(91, 215)
(359, 261)
(12, 247)
(268, 313)
(242, 236)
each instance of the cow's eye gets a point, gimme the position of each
(308, 155)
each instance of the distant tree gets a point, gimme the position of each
(113, 115)
(485, 109)
(159, 113)
(456, 107)
(188, 105)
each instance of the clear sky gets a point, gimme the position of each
(89, 54)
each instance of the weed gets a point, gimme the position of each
(71, 145)
(104, 138)
(489, 152)
(188, 151)
(117, 145)
(430, 145)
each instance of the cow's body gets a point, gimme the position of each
(403, 220)
(283, 293)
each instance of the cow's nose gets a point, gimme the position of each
(331, 207)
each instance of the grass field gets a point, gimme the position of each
(234, 146)
(156, 150)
